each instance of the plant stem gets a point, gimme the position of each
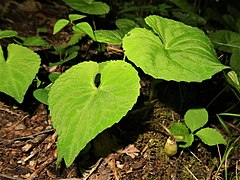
(216, 96)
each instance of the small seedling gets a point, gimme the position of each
(195, 119)
(170, 146)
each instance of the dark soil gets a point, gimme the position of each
(131, 149)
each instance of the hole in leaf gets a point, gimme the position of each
(97, 80)
(5, 53)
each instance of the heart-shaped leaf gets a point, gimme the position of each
(172, 51)
(80, 109)
(18, 71)
(41, 95)
(89, 7)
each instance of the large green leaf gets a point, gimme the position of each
(18, 71)
(174, 51)
(80, 110)
(89, 7)
(225, 40)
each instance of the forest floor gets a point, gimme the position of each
(131, 149)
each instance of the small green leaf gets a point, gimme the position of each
(72, 49)
(196, 118)
(188, 140)
(80, 109)
(18, 71)
(74, 17)
(89, 7)
(53, 77)
(109, 36)
(7, 34)
(34, 41)
(225, 40)
(76, 37)
(126, 24)
(86, 28)
(60, 24)
(172, 51)
(41, 95)
(68, 58)
(179, 129)
(211, 137)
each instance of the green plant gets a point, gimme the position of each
(90, 97)
(88, 109)
(194, 120)
(116, 36)
(232, 143)
(88, 6)
(18, 70)
(172, 51)
(229, 41)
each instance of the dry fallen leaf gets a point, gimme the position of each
(130, 150)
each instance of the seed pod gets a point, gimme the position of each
(170, 147)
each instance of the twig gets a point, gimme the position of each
(42, 166)
(191, 173)
(209, 174)
(195, 156)
(236, 170)
(233, 126)
(10, 177)
(9, 111)
(93, 169)
(14, 125)
(29, 136)
(33, 135)
(21, 120)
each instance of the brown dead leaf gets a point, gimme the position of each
(130, 150)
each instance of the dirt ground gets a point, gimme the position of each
(28, 150)
(131, 149)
